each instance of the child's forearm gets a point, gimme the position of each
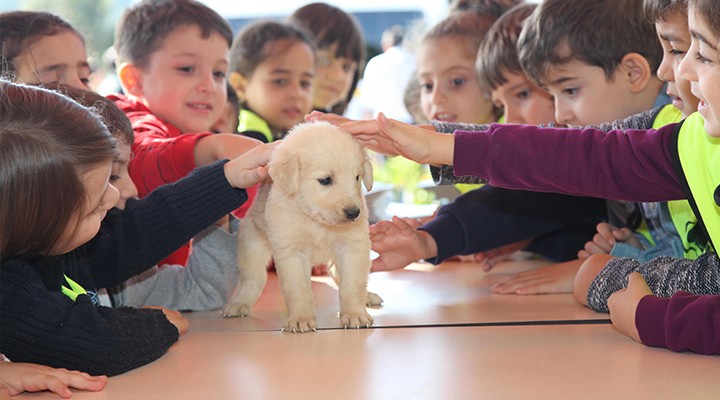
(222, 146)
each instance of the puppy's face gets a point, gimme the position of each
(322, 169)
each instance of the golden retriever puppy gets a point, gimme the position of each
(312, 213)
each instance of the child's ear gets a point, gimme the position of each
(638, 71)
(130, 78)
(239, 83)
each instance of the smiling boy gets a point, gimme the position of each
(172, 61)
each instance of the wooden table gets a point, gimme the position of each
(440, 335)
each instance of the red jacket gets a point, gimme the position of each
(161, 154)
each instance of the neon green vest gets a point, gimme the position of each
(249, 121)
(699, 156)
(681, 213)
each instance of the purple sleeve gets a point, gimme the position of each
(682, 322)
(634, 165)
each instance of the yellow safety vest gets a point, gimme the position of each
(699, 157)
(249, 121)
(681, 213)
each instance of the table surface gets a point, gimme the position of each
(440, 334)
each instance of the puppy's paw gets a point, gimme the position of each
(235, 310)
(373, 300)
(356, 320)
(300, 324)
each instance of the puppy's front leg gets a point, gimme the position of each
(353, 268)
(294, 274)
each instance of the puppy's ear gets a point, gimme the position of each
(367, 175)
(285, 173)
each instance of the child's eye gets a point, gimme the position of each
(570, 91)
(348, 67)
(114, 178)
(427, 87)
(219, 74)
(280, 82)
(523, 94)
(458, 81)
(702, 58)
(186, 69)
(325, 181)
(306, 84)
(677, 53)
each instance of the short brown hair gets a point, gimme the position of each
(498, 52)
(470, 26)
(597, 32)
(144, 26)
(329, 25)
(710, 12)
(113, 117)
(250, 46)
(658, 10)
(48, 142)
(496, 8)
(20, 29)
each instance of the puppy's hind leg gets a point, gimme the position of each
(371, 300)
(252, 260)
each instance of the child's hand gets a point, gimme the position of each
(623, 305)
(399, 244)
(605, 238)
(556, 278)
(175, 318)
(334, 119)
(16, 378)
(251, 167)
(393, 138)
(489, 259)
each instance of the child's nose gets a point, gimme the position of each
(563, 114)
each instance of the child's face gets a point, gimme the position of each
(523, 102)
(184, 82)
(280, 89)
(675, 39)
(701, 68)
(101, 196)
(120, 177)
(449, 89)
(585, 96)
(228, 122)
(59, 58)
(333, 78)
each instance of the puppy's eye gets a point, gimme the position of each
(357, 178)
(325, 181)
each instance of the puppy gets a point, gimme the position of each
(312, 213)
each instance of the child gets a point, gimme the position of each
(229, 119)
(340, 54)
(668, 163)
(54, 257)
(211, 269)
(172, 59)
(488, 218)
(449, 87)
(42, 47)
(16, 378)
(272, 65)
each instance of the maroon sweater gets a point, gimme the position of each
(634, 165)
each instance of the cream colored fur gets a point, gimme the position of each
(313, 213)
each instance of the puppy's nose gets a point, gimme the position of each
(351, 213)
